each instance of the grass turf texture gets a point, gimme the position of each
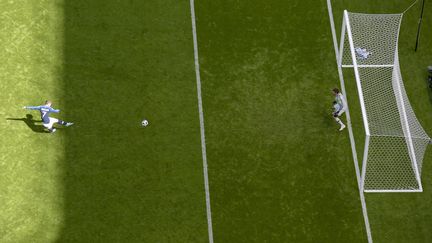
(279, 170)
(268, 73)
(31, 203)
(117, 182)
(269, 67)
(125, 61)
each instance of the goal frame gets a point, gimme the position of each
(346, 31)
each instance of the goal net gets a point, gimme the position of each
(395, 141)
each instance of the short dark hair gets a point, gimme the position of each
(336, 90)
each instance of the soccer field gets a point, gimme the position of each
(278, 169)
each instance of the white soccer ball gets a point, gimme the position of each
(144, 123)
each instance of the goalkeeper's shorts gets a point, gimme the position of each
(338, 113)
(51, 122)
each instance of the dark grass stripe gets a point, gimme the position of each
(125, 61)
(279, 169)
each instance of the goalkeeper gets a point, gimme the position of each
(339, 107)
(48, 122)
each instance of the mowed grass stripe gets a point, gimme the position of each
(31, 190)
(280, 170)
(125, 61)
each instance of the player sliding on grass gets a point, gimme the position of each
(48, 121)
(339, 107)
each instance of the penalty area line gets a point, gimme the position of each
(201, 119)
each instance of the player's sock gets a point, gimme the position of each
(61, 122)
(340, 123)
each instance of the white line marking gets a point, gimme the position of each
(350, 131)
(201, 118)
(367, 66)
(391, 191)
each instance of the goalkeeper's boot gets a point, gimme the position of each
(342, 127)
(69, 124)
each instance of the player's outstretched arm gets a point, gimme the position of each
(54, 110)
(31, 107)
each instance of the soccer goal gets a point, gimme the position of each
(395, 142)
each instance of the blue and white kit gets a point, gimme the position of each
(45, 111)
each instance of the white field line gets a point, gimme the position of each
(350, 131)
(201, 119)
(368, 66)
(391, 191)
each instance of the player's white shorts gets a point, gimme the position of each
(51, 122)
(341, 112)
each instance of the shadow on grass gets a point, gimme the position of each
(328, 119)
(31, 123)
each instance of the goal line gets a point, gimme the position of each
(350, 130)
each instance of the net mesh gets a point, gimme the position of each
(389, 165)
(377, 34)
(397, 141)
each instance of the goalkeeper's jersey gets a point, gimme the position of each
(340, 101)
(44, 111)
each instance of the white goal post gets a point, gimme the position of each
(395, 141)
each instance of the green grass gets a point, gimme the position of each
(125, 61)
(279, 170)
(267, 73)
(110, 179)
(30, 162)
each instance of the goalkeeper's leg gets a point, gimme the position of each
(338, 120)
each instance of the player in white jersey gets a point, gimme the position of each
(339, 107)
(48, 122)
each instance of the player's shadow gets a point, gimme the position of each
(28, 120)
(328, 119)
